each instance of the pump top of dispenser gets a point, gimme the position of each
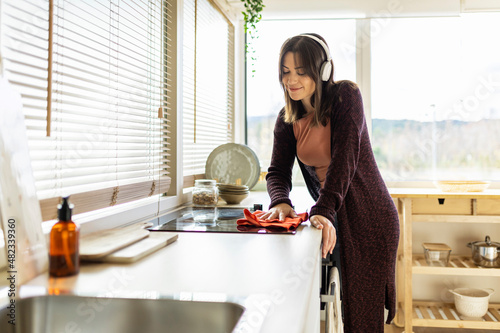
(65, 209)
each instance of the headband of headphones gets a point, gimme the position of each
(326, 67)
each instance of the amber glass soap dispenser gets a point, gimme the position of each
(64, 257)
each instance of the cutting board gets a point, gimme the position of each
(142, 248)
(19, 205)
(104, 242)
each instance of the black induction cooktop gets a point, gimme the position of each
(201, 219)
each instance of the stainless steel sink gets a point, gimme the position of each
(55, 314)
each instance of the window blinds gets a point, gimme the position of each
(107, 91)
(208, 85)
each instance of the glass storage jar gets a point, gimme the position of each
(205, 193)
(437, 254)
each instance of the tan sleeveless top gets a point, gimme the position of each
(313, 145)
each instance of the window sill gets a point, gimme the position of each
(124, 214)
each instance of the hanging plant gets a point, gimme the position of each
(251, 16)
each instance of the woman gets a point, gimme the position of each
(323, 124)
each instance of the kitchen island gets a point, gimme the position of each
(453, 218)
(278, 274)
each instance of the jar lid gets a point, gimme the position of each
(205, 182)
(436, 247)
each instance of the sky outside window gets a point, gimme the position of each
(435, 89)
(436, 98)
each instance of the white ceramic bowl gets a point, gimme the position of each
(472, 302)
(233, 199)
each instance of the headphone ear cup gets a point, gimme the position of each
(326, 70)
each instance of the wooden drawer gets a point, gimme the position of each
(450, 206)
(488, 207)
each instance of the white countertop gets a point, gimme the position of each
(282, 270)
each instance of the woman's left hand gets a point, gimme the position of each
(329, 233)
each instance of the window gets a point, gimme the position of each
(434, 88)
(93, 78)
(264, 93)
(208, 85)
(436, 98)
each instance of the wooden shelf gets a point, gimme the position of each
(456, 218)
(444, 315)
(434, 206)
(458, 265)
(435, 193)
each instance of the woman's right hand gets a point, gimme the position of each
(280, 212)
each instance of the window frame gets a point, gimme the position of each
(364, 80)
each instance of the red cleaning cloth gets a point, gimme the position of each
(290, 223)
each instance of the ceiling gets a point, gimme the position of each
(302, 9)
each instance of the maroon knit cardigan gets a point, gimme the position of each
(368, 224)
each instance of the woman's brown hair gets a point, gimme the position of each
(311, 56)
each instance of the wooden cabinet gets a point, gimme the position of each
(434, 207)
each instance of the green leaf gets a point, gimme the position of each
(251, 16)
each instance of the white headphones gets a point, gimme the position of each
(326, 67)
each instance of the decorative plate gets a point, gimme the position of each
(233, 163)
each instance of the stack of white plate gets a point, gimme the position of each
(233, 194)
